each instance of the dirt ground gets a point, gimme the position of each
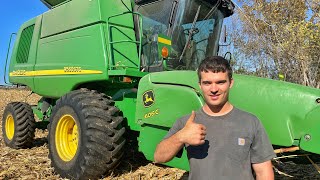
(33, 163)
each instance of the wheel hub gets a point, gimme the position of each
(9, 127)
(66, 137)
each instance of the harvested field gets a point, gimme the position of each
(34, 163)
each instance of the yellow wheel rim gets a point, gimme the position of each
(9, 127)
(66, 137)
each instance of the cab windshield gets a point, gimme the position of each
(155, 21)
(193, 35)
(192, 42)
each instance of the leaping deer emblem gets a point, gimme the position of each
(147, 99)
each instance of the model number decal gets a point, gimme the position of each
(151, 114)
(72, 69)
(19, 72)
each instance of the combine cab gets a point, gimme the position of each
(109, 67)
(52, 3)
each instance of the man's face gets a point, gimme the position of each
(215, 88)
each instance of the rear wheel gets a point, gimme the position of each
(18, 125)
(85, 135)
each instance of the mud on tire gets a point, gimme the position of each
(18, 125)
(85, 135)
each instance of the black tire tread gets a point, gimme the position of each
(25, 125)
(104, 146)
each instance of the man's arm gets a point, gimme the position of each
(264, 171)
(261, 154)
(192, 133)
(167, 149)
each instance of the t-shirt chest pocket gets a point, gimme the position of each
(239, 147)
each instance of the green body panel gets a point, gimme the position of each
(71, 41)
(176, 94)
(128, 72)
(69, 16)
(82, 48)
(282, 107)
(150, 136)
(310, 126)
(125, 100)
(172, 99)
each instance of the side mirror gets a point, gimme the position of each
(225, 37)
(228, 56)
(225, 34)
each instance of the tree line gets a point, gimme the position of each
(278, 39)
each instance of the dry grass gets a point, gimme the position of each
(34, 163)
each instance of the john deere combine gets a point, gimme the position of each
(107, 67)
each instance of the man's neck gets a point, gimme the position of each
(217, 110)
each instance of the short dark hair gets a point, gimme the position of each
(215, 64)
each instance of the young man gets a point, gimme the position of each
(222, 142)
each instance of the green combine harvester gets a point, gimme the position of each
(105, 68)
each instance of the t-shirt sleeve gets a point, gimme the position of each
(261, 148)
(177, 126)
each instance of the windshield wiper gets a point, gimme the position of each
(191, 31)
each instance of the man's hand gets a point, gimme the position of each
(192, 133)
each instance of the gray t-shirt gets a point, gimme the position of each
(233, 142)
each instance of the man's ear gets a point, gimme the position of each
(231, 82)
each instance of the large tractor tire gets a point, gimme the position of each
(85, 135)
(18, 125)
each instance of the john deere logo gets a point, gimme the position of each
(148, 98)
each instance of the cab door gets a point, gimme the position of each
(24, 53)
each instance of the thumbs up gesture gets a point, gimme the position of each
(192, 133)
